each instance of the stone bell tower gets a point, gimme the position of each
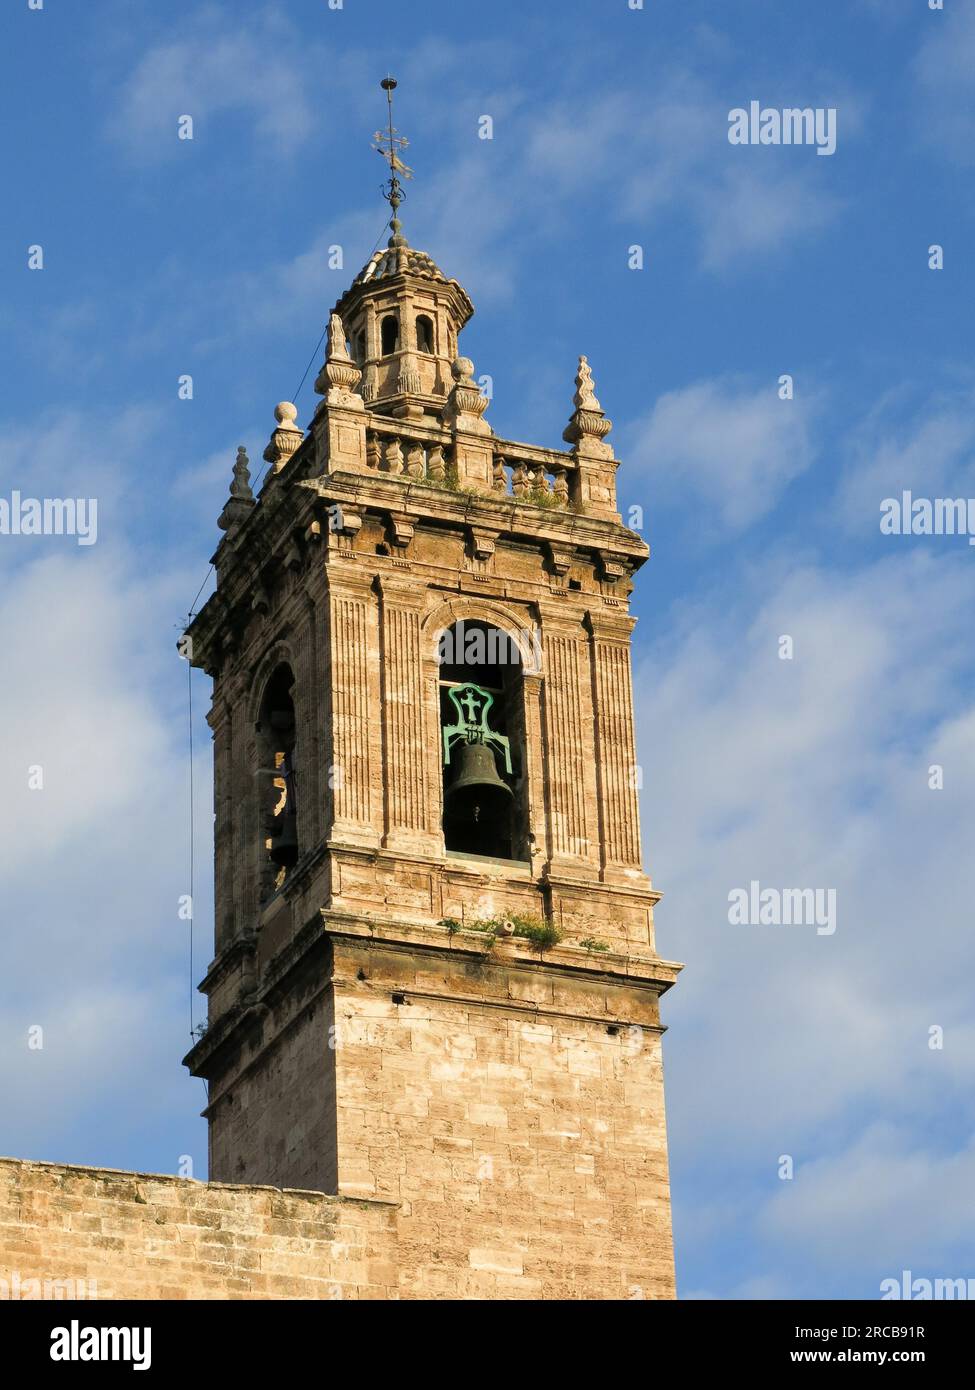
(435, 982)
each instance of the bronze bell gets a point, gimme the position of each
(477, 796)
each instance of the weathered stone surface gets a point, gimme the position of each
(98, 1233)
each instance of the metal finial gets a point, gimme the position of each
(389, 144)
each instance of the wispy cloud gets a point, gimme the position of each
(803, 772)
(909, 440)
(945, 111)
(726, 448)
(215, 69)
(889, 1201)
(94, 805)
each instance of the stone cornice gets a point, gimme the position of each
(504, 514)
(434, 941)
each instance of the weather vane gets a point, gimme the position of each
(389, 144)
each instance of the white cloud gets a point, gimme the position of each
(669, 151)
(481, 202)
(890, 1200)
(94, 862)
(72, 625)
(801, 774)
(95, 1057)
(814, 773)
(945, 111)
(214, 69)
(94, 859)
(927, 448)
(726, 446)
(750, 212)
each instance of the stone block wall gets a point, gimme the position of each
(515, 1113)
(97, 1232)
(273, 1119)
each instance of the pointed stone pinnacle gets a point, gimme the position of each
(241, 485)
(588, 426)
(585, 396)
(241, 499)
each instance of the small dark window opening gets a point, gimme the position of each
(390, 334)
(424, 334)
(360, 347)
(482, 742)
(575, 584)
(279, 803)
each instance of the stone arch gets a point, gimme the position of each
(516, 720)
(508, 620)
(425, 334)
(279, 654)
(389, 333)
(256, 787)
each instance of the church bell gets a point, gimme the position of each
(477, 797)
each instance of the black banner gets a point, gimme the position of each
(167, 1339)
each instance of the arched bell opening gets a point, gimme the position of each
(424, 333)
(277, 734)
(389, 334)
(482, 742)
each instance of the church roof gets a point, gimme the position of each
(401, 260)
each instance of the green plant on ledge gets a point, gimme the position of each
(525, 926)
(448, 483)
(533, 929)
(591, 944)
(485, 926)
(540, 497)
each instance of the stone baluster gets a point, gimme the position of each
(436, 468)
(394, 456)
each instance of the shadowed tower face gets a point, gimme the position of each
(435, 981)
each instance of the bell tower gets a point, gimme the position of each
(435, 983)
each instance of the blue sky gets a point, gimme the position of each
(209, 257)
